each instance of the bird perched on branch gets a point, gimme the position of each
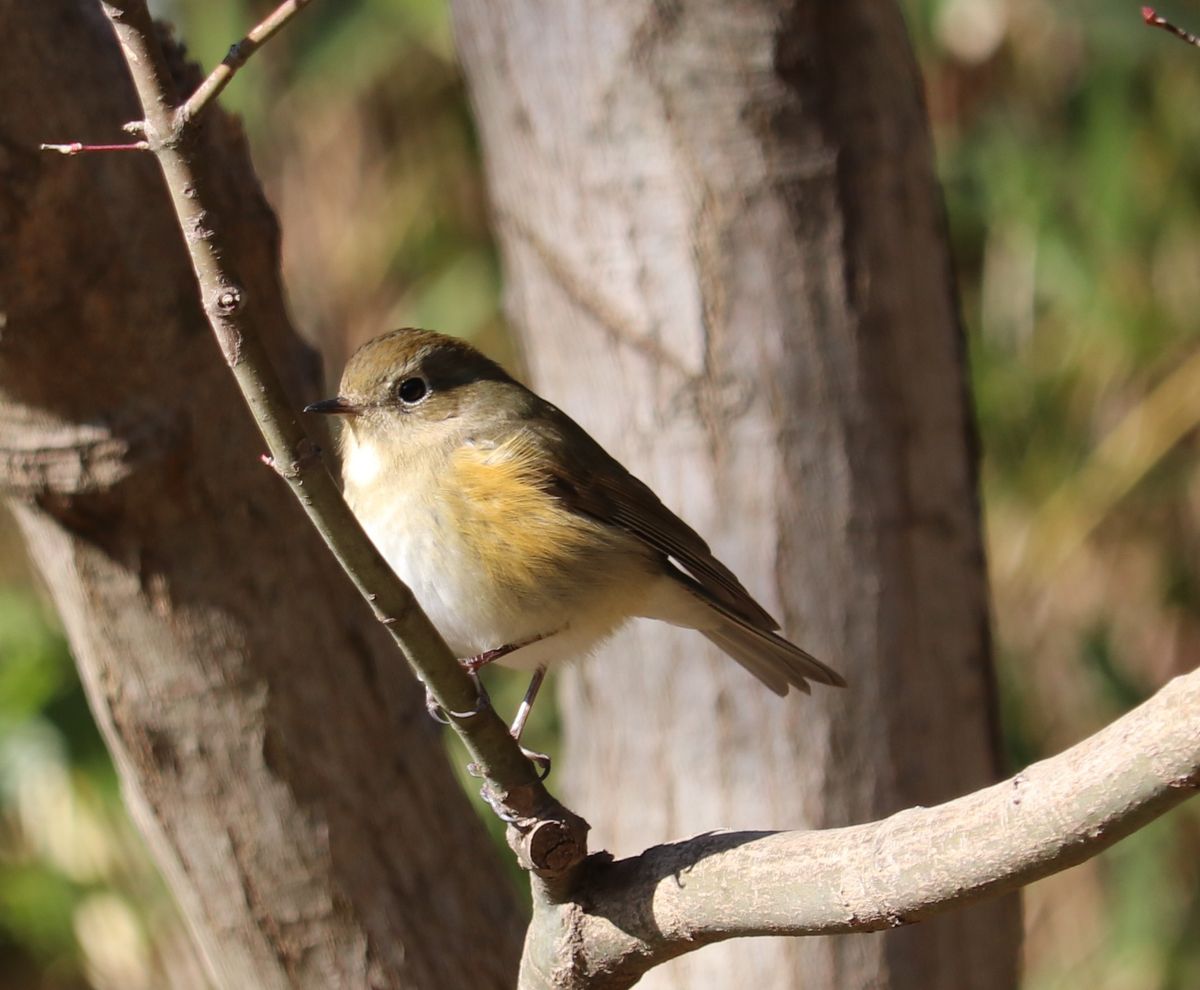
(521, 538)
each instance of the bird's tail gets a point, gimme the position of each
(750, 640)
(769, 657)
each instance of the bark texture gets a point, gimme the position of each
(1052, 815)
(726, 257)
(271, 745)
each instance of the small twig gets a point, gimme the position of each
(1154, 19)
(78, 147)
(238, 55)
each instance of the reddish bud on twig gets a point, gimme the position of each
(1154, 19)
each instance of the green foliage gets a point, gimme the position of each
(1069, 150)
(36, 898)
(68, 859)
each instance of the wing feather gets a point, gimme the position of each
(592, 482)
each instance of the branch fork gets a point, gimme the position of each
(205, 94)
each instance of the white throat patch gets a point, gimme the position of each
(363, 463)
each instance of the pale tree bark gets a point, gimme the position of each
(726, 256)
(271, 745)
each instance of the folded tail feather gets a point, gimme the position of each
(748, 638)
(770, 658)
(773, 660)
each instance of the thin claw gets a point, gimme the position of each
(434, 709)
(539, 760)
(439, 714)
(482, 700)
(497, 807)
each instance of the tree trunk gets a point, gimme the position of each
(271, 745)
(726, 256)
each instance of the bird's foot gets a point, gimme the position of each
(473, 666)
(539, 760)
(439, 714)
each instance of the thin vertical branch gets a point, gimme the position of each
(511, 782)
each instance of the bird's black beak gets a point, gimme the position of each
(337, 406)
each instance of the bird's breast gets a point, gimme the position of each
(492, 557)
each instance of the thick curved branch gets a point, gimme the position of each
(510, 780)
(672, 899)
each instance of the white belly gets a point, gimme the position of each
(448, 584)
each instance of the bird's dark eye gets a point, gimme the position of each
(411, 390)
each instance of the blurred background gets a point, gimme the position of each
(1069, 150)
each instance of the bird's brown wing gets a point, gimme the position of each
(593, 483)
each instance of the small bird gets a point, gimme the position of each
(522, 539)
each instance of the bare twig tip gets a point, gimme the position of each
(79, 148)
(1154, 19)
